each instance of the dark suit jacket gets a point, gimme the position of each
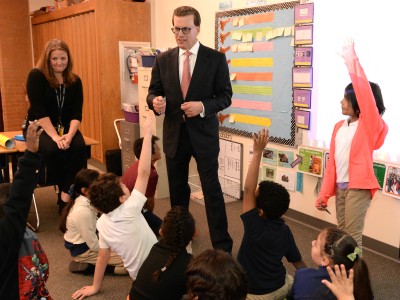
(210, 83)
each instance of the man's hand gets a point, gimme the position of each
(32, 136)
(159, 104)
(192, 108)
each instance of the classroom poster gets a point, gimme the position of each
(257, 44)
(287, 178)
(380, 170)
(392, 182)
(285, 158)
(270, 156)
(312, 162)
(268, 173)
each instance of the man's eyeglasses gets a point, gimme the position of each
(185, 30)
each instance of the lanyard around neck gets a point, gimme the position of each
(60, 100)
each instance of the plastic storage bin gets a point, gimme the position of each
(131, 113)
(148, 61)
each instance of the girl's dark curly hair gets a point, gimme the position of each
(105, 192)
(177, 231)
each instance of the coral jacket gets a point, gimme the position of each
(369, 136)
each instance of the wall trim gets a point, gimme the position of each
(371, 244)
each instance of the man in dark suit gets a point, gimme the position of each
(190, 124)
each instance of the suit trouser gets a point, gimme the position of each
(351, 209)
(178, 173)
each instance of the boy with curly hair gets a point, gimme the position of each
(122, 226)
(267, 238)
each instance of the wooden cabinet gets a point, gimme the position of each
(144, 75)
(93, 29)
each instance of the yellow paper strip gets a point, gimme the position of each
(252, 120)
(253, 62)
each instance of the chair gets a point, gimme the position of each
(43, 181)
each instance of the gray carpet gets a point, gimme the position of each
(384, 272)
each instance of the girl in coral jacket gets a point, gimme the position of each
(349, 173)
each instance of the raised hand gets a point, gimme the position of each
(148, 123)
(260, 140)
(347, 48)
(32, 136)
(341, 286)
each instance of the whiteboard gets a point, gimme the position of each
(230, 168)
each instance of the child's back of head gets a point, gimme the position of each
(341, 248)
(177, 231)
(105, 192)
(214, 274)
(137, 145)
(273, 199)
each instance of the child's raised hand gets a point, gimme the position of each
(347, 48)
(341, 286)
(148, 123)
(260, 140)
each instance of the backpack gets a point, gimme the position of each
(33, 268)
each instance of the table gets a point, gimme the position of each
(7, 155)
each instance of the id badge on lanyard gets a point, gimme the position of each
(60, 129)
(60, 102)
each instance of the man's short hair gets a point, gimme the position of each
(183, 11)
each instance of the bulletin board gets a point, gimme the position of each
(230, 168)
(258, 44)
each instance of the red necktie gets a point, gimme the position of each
(185, 75)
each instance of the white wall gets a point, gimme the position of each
(37, 4)
(383, 218)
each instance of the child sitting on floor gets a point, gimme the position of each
(214, 274)
(267, 238)
(332, 247)
(122, 226)
(162, 275)
(78, 223)
(24, 265)
(129, 178)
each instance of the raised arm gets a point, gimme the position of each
(250, 185)
(145, 155)
(362, 88)
(16, 208)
